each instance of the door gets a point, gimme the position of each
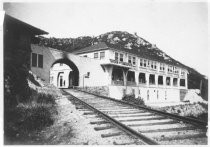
(61, 81)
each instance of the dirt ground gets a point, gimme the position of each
(70, 127)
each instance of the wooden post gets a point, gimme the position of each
(201, 82)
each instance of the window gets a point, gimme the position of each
(37, 60)
(142, 78)
(160, 80)
(151, 79)
(162, 68)
(131, 76)
(182, 82)
(145, 63)
(170, 69)
(147, 94)
(165, 95)
(102, 55)
(95, 55)
(168, 82)
(34, 60)
(175, 81)
(116, 56)
(129, 59)
(155, 65)
(182, 73)
(121, 57)
(141, 62)
(134, 60)
(40, 61)
(176, 70)
(152, 66)
(148, 63)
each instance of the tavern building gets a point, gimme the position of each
(113, 72)
(135, 74)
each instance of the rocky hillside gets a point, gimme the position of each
(125, 41)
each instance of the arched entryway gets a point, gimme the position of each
(64, 74)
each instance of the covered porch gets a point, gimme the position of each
(120, 75)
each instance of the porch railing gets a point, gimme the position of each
(131, 83)
(119, 83)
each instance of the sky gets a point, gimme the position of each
(180, 29)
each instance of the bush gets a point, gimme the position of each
(131, 98)
(46, 99)
(29, 117)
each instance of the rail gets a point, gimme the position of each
(123, 127)
(195, 122)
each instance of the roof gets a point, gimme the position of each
(142, 53)
(95, 47)
(12, 22)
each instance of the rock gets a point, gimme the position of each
(193, 97)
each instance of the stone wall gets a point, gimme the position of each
(100, 90)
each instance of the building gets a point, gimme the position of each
(17, 51)
(60, 76)
(134, 73)
(114, 72)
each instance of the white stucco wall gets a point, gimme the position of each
(98, 77)
(164, 95)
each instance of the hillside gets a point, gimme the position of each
(125, 41)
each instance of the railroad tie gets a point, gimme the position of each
(151, 124)
(89, 113)
(117, 116)
(111, 134)
(142, 119)
(182, 137)
(103, 128)
(99, 122)
(168, 130)
(127, 143)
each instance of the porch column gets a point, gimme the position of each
(178, 82)
(109, 70)
(125, 72)
(137, 77)
(156, 80)
(171, 81)
(164, 80)
(147, 79)
(186, 82)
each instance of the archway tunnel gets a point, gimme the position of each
(64, 73)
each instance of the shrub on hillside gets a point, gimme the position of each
(131, 98)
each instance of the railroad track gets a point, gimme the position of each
(145, 125)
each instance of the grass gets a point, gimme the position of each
(22, 121)
(131, 98)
